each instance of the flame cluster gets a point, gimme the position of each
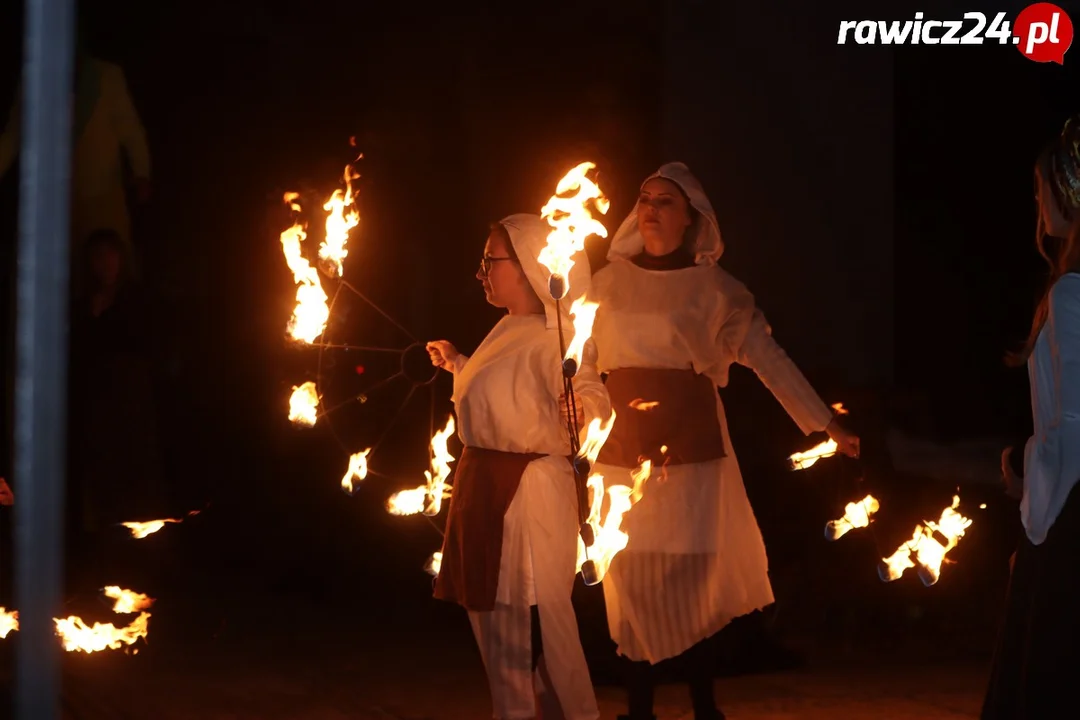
(571, 220)
(76, 636)
(427, 498)
(312, 311)
(930, 543)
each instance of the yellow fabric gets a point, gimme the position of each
(97, 190)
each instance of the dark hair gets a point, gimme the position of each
(1063, 258)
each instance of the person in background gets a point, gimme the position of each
(115, 466)
(105, 129)
(1038, 649)
(512, 530)
(669, 325)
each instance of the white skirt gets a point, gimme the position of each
(695, 559)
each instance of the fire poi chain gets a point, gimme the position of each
(569, 212)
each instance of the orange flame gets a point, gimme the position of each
(311, 313)
(342, 216)
(358, 469)
(568, 214)
(856, 515)
(924, 549)
(304, 404)
(427, 498)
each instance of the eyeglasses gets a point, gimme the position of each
(487, 261)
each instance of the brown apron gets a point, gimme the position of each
(484, 484)
(660, 407)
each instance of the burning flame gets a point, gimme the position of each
(311, 313)
(839, 409)
(127, 601)
(76, 635)
(595, 437)
(856, 515)
(304, 404)
(571, 220)
(644, 406)
(9, 621)
(428, 498)
(584, 313)
(803, 460)
(434, 564)
(342, 216)
(925, 549)
(609, 536)
(140, 530)
(358, 468)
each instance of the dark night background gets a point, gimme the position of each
(878, 201)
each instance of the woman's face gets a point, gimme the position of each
(105, 264)
(663, 214)
(503, 279)
(1055, 222)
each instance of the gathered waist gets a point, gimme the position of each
(664, 415)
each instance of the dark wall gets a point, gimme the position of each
(792, 137)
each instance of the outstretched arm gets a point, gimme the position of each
(589, 389)
(761, 353)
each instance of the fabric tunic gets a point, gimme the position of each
(506, 397)
(695, 558)
(1052, 455)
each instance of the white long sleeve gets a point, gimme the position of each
(761, 353)
(1052, 455)
(589, 388)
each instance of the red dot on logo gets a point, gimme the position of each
(1043, 32)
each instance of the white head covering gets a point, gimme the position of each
(528, 234)
(708, 246)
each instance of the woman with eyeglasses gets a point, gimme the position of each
(510, 552)
(669, 325)
(1038, 650)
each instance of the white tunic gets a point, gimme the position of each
(695, 558)
(1052, 454)
(506, 398)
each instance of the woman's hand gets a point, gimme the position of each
(846, 441)
(564, 411)
(1014, 484)
(443, 354)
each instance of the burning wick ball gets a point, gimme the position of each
(582, 467)
(587, 535)
(569, 367)
(557, 286)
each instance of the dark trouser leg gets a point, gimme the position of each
(639, 679)
(699, 667)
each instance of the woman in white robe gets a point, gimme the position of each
(1038, 653)
(512, 531)
(669, 325)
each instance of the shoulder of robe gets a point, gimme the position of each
(732, 289)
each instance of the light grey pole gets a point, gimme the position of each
(41, 350)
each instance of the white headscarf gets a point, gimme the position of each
(708, 246)
(528, 234)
